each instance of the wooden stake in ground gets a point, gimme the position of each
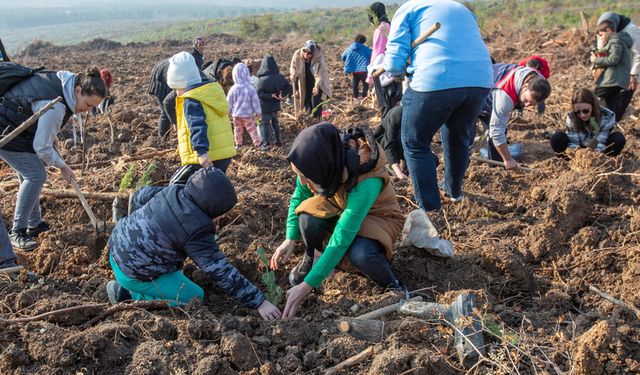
(352, 361)
(30, 121)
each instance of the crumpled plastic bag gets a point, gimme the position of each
(418, 231)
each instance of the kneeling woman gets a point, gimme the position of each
(344, 192)
(588, 125)
(148, 248)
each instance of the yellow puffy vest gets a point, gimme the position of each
(219, 132)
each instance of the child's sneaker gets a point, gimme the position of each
(278, 144)
(454, 199)
(20, 240)
(116, 292)
(41, 228)
(264, 147)
(238, 147)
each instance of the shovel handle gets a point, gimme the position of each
(84, 202)
(414, 44)
(30, 121)
(498, 163)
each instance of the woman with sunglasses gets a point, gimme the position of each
(310, 77)
(588, 125)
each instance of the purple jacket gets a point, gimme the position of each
(242, 97)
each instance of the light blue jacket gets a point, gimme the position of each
(356, 58)
(454, 56)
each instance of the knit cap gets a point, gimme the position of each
(182, 71)
(610, 16)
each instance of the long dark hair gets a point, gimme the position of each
(583, 95)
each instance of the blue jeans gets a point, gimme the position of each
(173, 286)
(31, 175)
(426, 112)
(366, 255)
(269, 120)
(7, 256)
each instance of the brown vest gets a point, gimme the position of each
(384, 220)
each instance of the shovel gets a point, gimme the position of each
(469, 341)
(99, 227)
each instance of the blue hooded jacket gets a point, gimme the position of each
(356, 58)
(175, 222)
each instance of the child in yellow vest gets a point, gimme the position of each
(205, 137)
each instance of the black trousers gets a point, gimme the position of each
(614, 98)
(614, 145)
(358, 78)
(313, 101)
(366, 255)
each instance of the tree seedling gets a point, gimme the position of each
(274, 292)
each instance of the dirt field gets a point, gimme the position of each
(529, 244)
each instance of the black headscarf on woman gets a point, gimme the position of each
(319, 153)
(378, 10)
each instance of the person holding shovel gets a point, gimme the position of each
(310, 77)
(342, 191)
(448, 86)
(29, 152)
(148, 248)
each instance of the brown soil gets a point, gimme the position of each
(528, 244)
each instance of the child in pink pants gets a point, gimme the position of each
(244, 105)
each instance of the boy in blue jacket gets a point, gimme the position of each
(148, 248)
(356, 58)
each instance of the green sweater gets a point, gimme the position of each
(359, 201)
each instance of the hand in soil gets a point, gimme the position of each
(511, 164)
(268, 311)
(281, 256)
(295, 296)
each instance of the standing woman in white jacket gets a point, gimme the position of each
(29, 152)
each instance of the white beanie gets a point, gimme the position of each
(610, 16)
(182, 71)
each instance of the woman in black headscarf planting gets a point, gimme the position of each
(342, 189)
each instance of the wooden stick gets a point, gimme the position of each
(73, 194)
(498, 163)
(352, 361)
(84, 202)
(127, 306)
(106, 113)
(11, 269)
(616, 301)
(414, 44)
(585, 23)
(30, 121)
(44, 316)
(386, 310)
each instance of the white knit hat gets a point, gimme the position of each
(182, 71)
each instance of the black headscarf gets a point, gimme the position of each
(319, 153)
(378, 11)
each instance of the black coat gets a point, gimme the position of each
(198, 57)
(3, 54)
(158, 81)
(270, 82)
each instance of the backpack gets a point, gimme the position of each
(12, 74)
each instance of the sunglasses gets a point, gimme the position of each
(307, 52)
(582, 111)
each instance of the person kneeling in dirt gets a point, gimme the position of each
(342, 189)
(148, 248)
(521, 87)
(29, 152)
(205, 136)
(588, 125)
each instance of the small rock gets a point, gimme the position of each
(328, 314)
(354, 309)
(262, 340)
(310, 359)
